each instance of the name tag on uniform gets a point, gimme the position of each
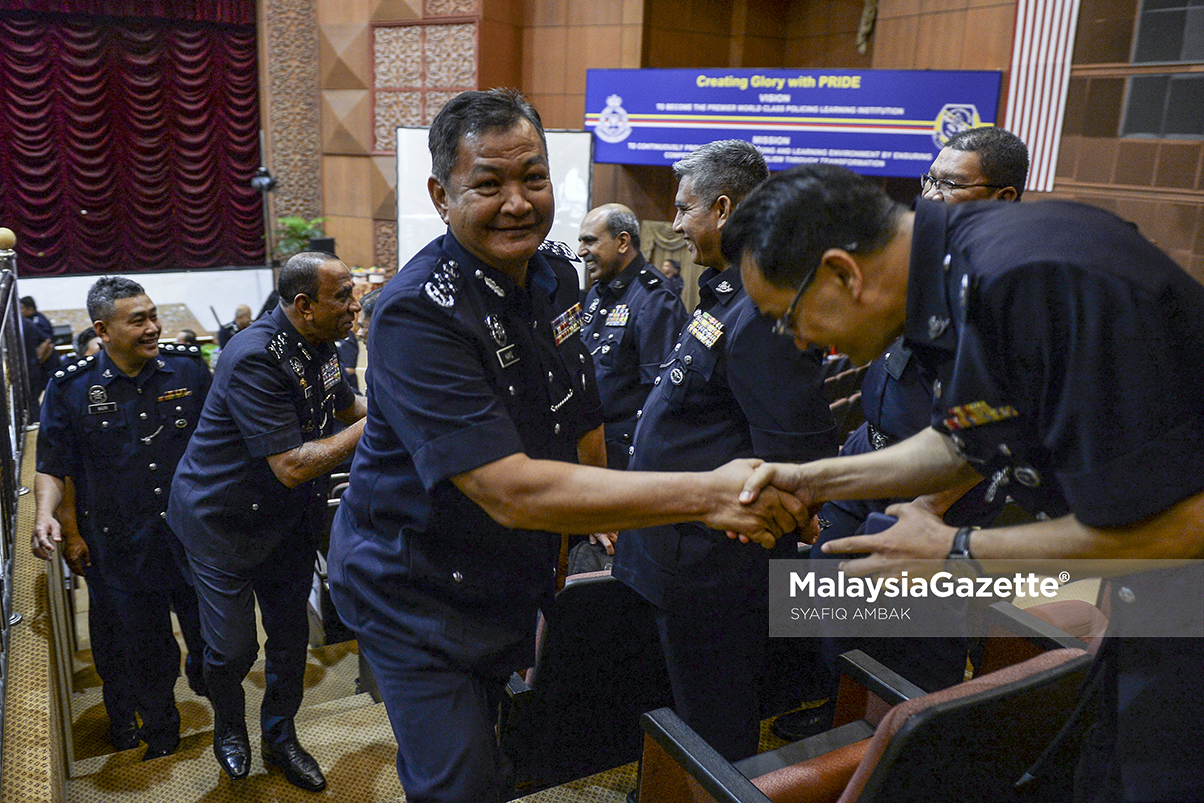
(330, 373)
(567, 324)
(618, 316)
(104, 407)
(706, 328)
(506, 356)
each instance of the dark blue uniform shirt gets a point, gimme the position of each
(273, 391)
(731, 388)
(1076, 387)
(120, 439)
(478, 369)
(629, 326)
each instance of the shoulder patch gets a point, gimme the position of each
(182, 349)
(557, 248)
(648, 279)
(76, 368)
(443, 283)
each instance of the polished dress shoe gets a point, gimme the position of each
(233, 752)
(298, 766)
(153, 752)
(124, 737)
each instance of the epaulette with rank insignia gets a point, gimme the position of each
(559, 249)
(443, 283)
(648, 278)
(74, 368)
(183, 349)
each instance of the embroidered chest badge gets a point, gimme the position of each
(567, 324)
(330, 373)
(618, 316)
(706, 328)
(178, 393)
(975, 414)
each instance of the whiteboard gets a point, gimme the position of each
(570, 158)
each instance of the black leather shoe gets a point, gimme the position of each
(298, 766)
(194, 670)
(124, 737)
(796, 725)
(233, 752)
(163, 750)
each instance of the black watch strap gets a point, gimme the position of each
(961, 545)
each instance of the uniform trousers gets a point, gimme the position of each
(716, 661)
(443, 713)
(136, 653)
(281, 583)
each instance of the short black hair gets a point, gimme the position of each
(788, 222)
(300, 275)
(1004, 157)
(675, 263)
(730, 167)
(190, 337)
(106, 291)
(621, 219)
(27, 301)
(368, 303)
(83, 339)
(471, 113)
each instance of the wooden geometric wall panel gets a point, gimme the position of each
(452, 8)
(343, 57)
(416, 69)
(345, 116)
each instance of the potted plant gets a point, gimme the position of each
(294, 233)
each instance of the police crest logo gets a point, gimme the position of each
(97, 395)
(953, 119)
(496, 330)
(613, 123)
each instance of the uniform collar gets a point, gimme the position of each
(539, 274)
(929, 311)
(109, 372)
(720, 286)
(616, 286)
(281, 321)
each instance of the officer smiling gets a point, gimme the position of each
(114, 426)
(482, 401)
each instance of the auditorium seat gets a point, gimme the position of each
(971, 741)
(598, 667)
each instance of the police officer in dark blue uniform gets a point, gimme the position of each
(114, 425)
(1075, 387)
(731, 388)
(482, 402)
(978, 164)
(630, 323)
(249, 499)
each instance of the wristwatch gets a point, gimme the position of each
(961, 545)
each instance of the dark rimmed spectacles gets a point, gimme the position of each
(942, 186)
(784, 325)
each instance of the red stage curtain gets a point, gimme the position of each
(128, 145)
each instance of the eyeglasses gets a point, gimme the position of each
(942, 186)
(784, 326)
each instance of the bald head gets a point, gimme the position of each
(242, 316)
(609, 240)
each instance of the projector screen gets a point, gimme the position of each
(569, 154)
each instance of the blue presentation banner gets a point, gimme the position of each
(875, 122)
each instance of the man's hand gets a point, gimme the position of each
(919, 535)
(761, 519)
(44, 350)
(607, 539)
(782, 482)
(75, 552)
(46, 533)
